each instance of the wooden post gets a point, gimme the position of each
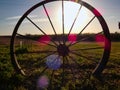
(21, 44)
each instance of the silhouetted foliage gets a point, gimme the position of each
(115, 36)
(90, 37)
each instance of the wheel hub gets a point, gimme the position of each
(63, 50)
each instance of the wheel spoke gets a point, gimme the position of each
(72, 71)
(36, 25)
(26, 37)
(63, 22)
(83, 39)
(86, 25)
(45, 68)
(48, 55)
(39, 28)
(63, 71)
(79, 69)
(88, 48)
(39, 60)
(84, 28)
(50, 21)
(30, 38)
(74, 60)
(35, 52)
(75, 20)
(43, 58)
(54, 60)
(51, 79)
(81, 56)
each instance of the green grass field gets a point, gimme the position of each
(110, 79)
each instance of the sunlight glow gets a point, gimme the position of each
(70, 12)
(72, 38)
(43, 82)
(102, 40)
(54, 11)
(53, 62)
(45, 39)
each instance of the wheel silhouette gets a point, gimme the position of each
(60, 53)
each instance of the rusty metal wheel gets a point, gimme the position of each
(72, 46)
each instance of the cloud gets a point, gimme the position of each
(35, 20)
(13, 18)
(18, 17)
(40, 20)
(111, 17)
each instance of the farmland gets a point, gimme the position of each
(9, 80)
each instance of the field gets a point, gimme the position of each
(109, 80)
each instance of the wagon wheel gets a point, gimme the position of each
(70, 48)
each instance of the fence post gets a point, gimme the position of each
(21, 44)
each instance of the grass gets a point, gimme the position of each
(9, 80)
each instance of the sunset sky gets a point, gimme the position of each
(12, 10)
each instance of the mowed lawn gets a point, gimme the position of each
(110, 79)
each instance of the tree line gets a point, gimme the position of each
(115, 37)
